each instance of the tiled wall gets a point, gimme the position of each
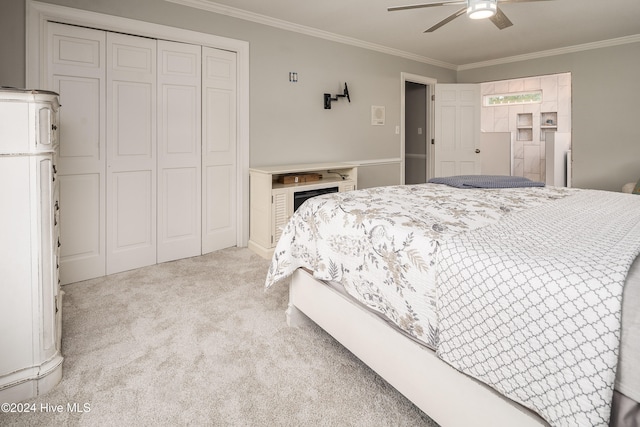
(529, 156)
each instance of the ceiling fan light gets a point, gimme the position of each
(482, 9)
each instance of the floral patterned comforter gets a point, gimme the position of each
(381, 243)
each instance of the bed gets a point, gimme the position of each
(452, 296)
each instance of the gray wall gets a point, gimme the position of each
(378, 175)
(605, 109)
(12, 43)
(288, 123)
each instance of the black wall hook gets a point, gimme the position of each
(328, 98)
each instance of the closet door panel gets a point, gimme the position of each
(75, 47)
(219, 152)
(181, 120)
(221, 183)
(132, 126)
(77, 71)
(133, 208)
(179, 150)
(180, 220)
(220, 124)
(131, 152)
(82, 118)
(80, 218)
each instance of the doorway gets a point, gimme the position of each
(530, 123)
(416, 117)
(415, 125)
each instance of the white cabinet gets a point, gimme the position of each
(496, 149)
(272, 202)
(30, 296)
(548, 124)
(558, 159)
(525, 127)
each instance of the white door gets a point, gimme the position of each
(131, 152)
(219, 187)
(179, 151)
(76, 70)
(457, 129)
(495, 152)
(143, 177)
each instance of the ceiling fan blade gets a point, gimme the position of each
(500, 20)
(447, 20)
(418, 6)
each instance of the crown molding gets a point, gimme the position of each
(233, 12)
(552, 52)
(314, 32)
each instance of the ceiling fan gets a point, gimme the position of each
(476, 9)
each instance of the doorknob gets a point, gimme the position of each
(477, 150)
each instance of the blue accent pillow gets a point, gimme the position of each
(486, 181)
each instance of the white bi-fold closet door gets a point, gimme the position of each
(131, 152)
(148, 149)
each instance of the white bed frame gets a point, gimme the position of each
(447, 396)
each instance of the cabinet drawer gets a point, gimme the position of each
(27, 127)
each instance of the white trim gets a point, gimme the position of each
(427, 81)
(39, 13)
(375, 162)
(302, 29)
(552, 52)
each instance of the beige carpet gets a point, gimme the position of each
(200, 342)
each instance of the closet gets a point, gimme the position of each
(147, 163)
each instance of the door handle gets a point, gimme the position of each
(477, 150)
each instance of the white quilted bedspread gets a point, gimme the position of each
(537, 317)
(532, 305)
(380, 243)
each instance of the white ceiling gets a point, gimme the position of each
(537, 26)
